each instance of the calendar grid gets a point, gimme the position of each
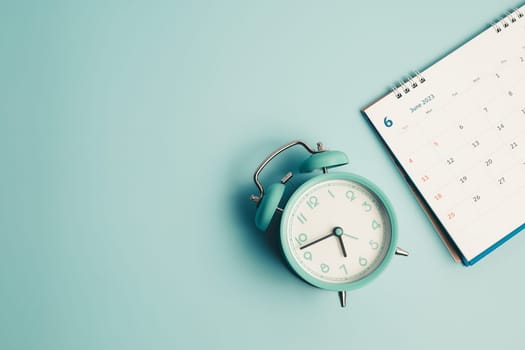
(460, 138)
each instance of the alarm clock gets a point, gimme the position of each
(338, 230)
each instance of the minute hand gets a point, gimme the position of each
(317, 240)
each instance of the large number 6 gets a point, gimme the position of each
(388, 122)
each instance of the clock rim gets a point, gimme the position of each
(288, 252)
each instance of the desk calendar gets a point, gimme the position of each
(456, 130)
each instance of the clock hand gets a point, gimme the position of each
(317, 241)
(354, 237)
(342, 245)
(338, 232)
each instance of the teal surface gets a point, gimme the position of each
(129, 133)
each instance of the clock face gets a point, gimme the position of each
(338, 231)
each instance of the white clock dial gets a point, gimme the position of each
(336, 231)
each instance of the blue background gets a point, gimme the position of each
(129, 133)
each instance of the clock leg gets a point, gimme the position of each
(342, 298)
(400, 251)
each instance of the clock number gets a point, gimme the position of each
(513, 145)
(350, 195)
(301, 238)
(307, 256)
(373, 244)
(366, 206)
(388, 122)
(343, 267)
(375, 225)
(313, 202)
(362, 261)
(301, 218)
(325, 268)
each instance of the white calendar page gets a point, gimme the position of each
(459, 136)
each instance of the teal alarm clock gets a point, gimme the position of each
(338, 230)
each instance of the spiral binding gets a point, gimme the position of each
(506, 21)
(406, 85)
(414, 80)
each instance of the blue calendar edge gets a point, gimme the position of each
(493, 247)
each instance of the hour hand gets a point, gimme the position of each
(341, 243)
(338, 232)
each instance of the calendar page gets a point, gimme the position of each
(457, 130)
